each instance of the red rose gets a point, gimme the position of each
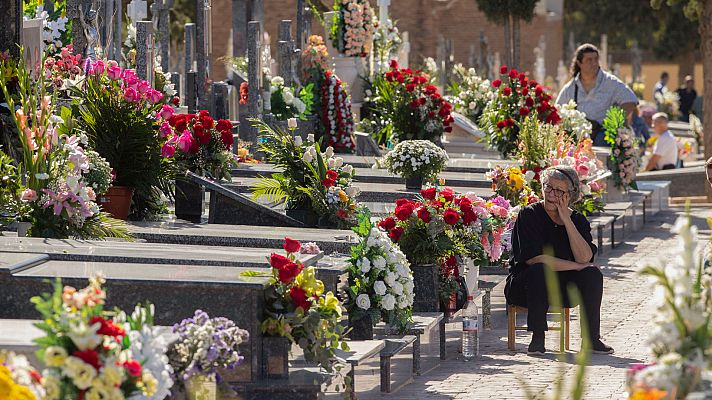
(430, 90)
(451, 261)
(522, 76)
(107, 328)
(407, 71)
(523, 111)
(448, 194)
(509, 122)
(469, 217)
(396, 233)
(405, 211)
(410, 87)
(299, 298)
(90, 357)
(423, 100)
(538, 90)
(327, 182)
(513, 74)
(525, 91)
(415, 103)
(387, 224)
(496, 83)
(429, 193)
(224, 125)
(532, 199)
(529, 101)
(507, 91)
(451, 216)
(393, 64)
(290, 271)
(133, 368)
(553, 118)
(226, 138)
(176, 101)
(207, 122)
(181, 125)
(465, 204)
(501, 125)
(503, 69)
(203, 113)
(198, 130)
(291, 246)
(424, 214)
(400, 202)
(331, 174)
(278, 261)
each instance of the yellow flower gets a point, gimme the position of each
(55, 356)
(516, 180)
(111, 375)
(22, 393)
(51, 387)
(307, 281)
(150, 384)
(330, 302)
(81, 373)
(6, 384)
(242, 152)
(97, 393)
(343, 197)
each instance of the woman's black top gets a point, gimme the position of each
(535, 231)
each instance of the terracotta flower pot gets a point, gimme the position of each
(116, 201)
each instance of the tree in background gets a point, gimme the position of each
(700, 11)
(509, 13)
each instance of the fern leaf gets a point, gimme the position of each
(270, 188)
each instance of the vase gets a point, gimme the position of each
(23, 228)
(414, 182)
(275, 357)
(189, 201)
(116, 201)
(201, 387)
(426, 282)
(361, 328)
(303, 214)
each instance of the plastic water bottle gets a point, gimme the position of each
(470, 330)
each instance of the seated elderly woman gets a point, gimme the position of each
(550, 233)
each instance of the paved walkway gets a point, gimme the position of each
(626, 319)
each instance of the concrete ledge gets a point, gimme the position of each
(683, 181)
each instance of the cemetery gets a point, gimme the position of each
(202, 199)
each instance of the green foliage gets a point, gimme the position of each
(589, 205)
(615, 119)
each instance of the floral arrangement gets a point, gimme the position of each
(352, 27)
(442, 227)
(64, 70)
(121, 115)
(411, 108)
(380, 280)
(668, 102)
(86, 353)
(315, 55)
(310, 180)
(336, 113)
(284, 104)
(516, 98)
(680, 340)
(591, 173)
(470, 92)
(56, 31)
(99, 176)
(512, 183)
(51, 190)
(574, 121)
(297, 308)
(539, 142)
(624, 158)
(411, 158)
(198, 143)
(205, 344)
(386, 42)
(18, 380)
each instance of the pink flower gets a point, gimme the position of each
(143, 87)
(112, 63)
(28, 195)
(99, 67)
(595, 187)
(185, 141)
(131, 95)
(167, 150)
(166, 111)
(165, 130)
(114, 73)
(154, 96)
(582, 169)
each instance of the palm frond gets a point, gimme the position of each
(103, 226)
(270, 188)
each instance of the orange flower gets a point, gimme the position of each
(652, 394)
(21, 119)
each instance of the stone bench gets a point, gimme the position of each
(425, 328)
(359, 352)
(393, 347)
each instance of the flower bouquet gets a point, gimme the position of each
(470, 92)
(284, 104)
(386, 42)
(624, 158)
(204, 346)
(516, 97)
(416, 161)
(574, 121)
(64, 70)
(298, 309)
(18, 380)
(56, 30)
(668, 102)
(311, 182)
(680, 340)
(591, 173)
(86, 353)
(411, 108)
(49, 187)
(380, 281)
(512, 183)
(336, 116)
(352, 27)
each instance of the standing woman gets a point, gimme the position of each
(595, 91)
(551, 227)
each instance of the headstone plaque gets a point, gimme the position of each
(32, 41)
(144, 50)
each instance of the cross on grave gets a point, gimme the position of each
(383, 13)
(254, 72)
(288, 55)
(202, 50)
(82, 17)
(137, 11)
(160, 11)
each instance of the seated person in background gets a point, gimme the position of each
(665, 150)
(551, 224)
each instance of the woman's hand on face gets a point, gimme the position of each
(562, 207)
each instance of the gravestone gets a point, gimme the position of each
(258, 13)
(144, 50)
(482, 64)
(302, 35)
(175, 80)
(137, 10)
(191, 101)
(365, 145)
(288, 55)
(160, 12)
(32, 41)
(404, 51)
(254, 74)
(540, 60)
(239, 28)
(189, 39)
(106, 15)
(219, 105)
(85, 34)
(202, 50)
(117, 30)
